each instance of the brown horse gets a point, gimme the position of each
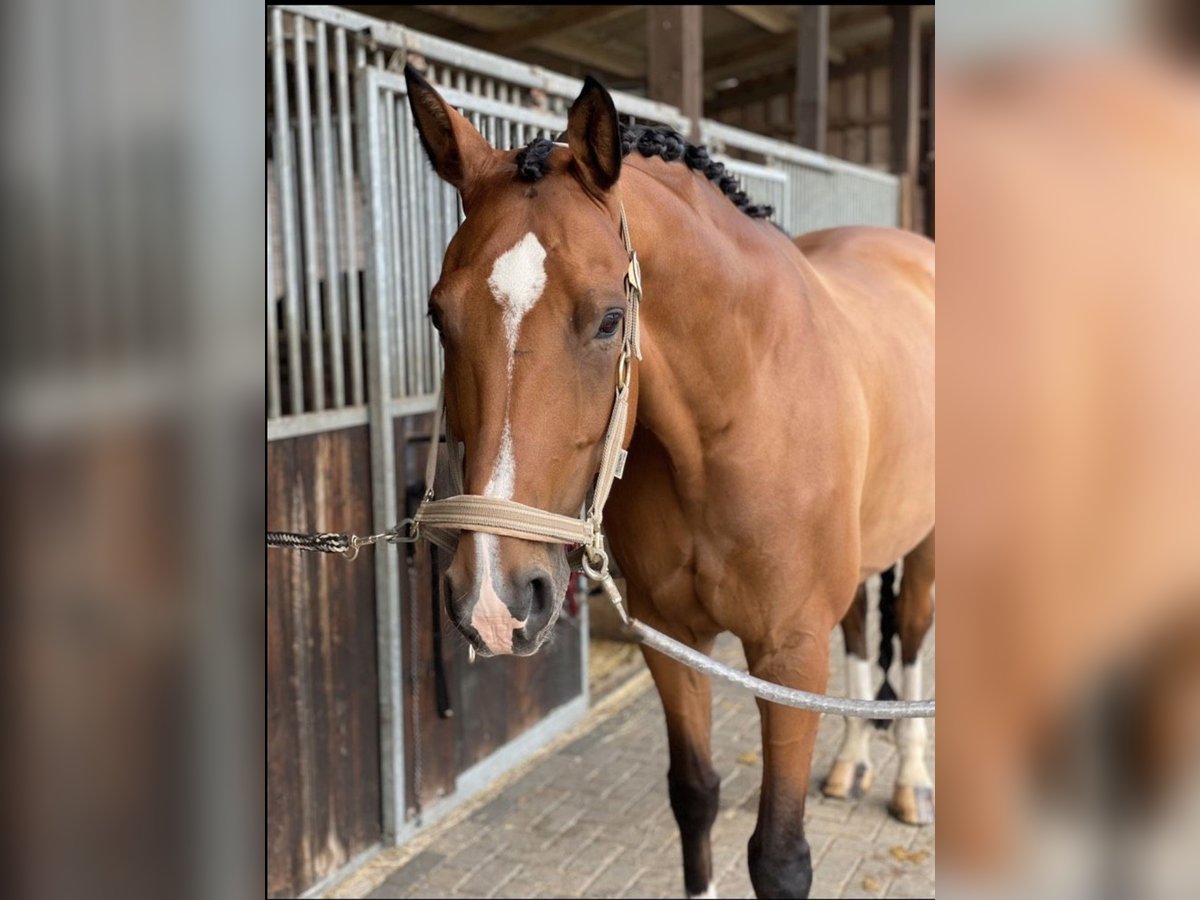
(783, 445)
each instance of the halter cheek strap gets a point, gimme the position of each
(440, 520)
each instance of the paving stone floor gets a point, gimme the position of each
(593, 820)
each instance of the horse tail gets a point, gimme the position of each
(887, 637)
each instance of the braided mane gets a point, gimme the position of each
(651, 140)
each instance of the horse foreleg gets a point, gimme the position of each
(692, 784)
(912, 798)
(851, 775)
(779, 855)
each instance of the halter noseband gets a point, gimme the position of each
(439, 521)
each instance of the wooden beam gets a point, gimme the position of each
(775, 19)
(562, 18)
(863, 62)
(783, 81)
(743, 58)
(675, 54)
(492, 19)
(812, 77)
(905, 100)
(735, 57)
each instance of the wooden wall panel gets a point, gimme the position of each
(323, 803)
(436, 751)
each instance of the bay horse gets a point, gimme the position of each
(782, 446)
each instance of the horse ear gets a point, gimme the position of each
(458, 152)
(594, 135)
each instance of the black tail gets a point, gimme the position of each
(887, 637)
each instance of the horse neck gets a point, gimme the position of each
(711, 305)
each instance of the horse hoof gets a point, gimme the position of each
(848, 780)
(912, 805)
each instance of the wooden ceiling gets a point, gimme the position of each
(742, 44)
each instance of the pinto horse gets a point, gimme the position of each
(782, 447)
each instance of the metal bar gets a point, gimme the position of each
(395, 179)
(287, 202)
(312, 285)
(411, 406)
(272, 330)
(350, 218)
(775, 693)
(383, 466)
(413, 173)
(333, 294)
(434, 252)
(413, 210)
(316, 422)
(510, 70)
(465, 101)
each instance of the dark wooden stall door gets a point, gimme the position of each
(323, 796)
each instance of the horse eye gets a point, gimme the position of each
(610, 323)
(435, 317)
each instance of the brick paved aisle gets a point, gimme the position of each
(592, 819)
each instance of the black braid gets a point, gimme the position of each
(652, 140)
(888, 630)
(531, 160)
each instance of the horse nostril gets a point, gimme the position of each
(531, 595)
(541, 593)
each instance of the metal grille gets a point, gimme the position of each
(821, 192)
(314, 313)
(764, 186)
(316, 205)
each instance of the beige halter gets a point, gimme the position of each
(440, 520)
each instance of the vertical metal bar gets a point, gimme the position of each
(287, 202)
(422, 183)
(403, 204)
(413, 174)
(433, 260)
(383, 464)
(395, 187)
(272, 329)
(312, 285)
(350, 219)
(333, 293)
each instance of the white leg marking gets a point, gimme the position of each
(911, 735)
(856, 739)
(517, 281)
(711, 892)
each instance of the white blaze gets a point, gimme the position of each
(517, 281)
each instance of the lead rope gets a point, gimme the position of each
(439, 521)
